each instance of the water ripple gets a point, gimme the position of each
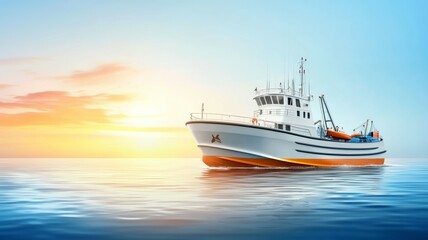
(181, 199)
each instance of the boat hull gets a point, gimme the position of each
(226, 144)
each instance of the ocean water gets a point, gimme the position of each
(184, 199)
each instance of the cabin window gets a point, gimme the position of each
(274, 100)
(304, 114)
(287, 127)
(262, 99)
(281, 100)
(297, 102)
(258, 101)
(298, 113)
(309, 115)
(268, 100)
(290, 101)
(281, 126)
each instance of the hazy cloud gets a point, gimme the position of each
(19, 61)
(102, 73)
(59, 108)
(3, 86)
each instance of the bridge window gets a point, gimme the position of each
(287, 127)
(297, 102)
(268, 100)
(281, 126)
(262, 99)
(290, 101)
(258, 101)
(274, 100)
(298, 113)
(281, 100)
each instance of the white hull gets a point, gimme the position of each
(250, 145)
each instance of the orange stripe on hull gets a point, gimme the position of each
(337, 161)
(213, 161)
(223, 161)
(220, 161)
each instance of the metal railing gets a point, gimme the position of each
(245, 120)
(231, 118)
(277, 90)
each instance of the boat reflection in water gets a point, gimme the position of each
(293, 178)
(294, 202)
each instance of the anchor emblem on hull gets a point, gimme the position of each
(215, 138)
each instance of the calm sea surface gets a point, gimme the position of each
(183, 199)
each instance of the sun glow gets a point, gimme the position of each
(121, 123)
(96, 142)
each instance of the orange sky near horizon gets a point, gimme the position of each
(36, 121)
(96, 142)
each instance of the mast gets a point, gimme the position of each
(267, 76)
(324, 122)
(292, 87)
(365, 129)
(324, 110)
(302, 71)
(285, 62)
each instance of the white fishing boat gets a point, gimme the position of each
(282, 133)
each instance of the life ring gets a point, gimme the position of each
(254, 120)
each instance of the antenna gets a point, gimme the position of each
(292, 87)
(285, 62)
(292, 80)
(267, 76)
(302, 72)
(288, 76)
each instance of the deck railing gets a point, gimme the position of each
(231, 118)
(245, 120)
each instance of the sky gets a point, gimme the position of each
(120, 78)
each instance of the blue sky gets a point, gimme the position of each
(368, 57)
